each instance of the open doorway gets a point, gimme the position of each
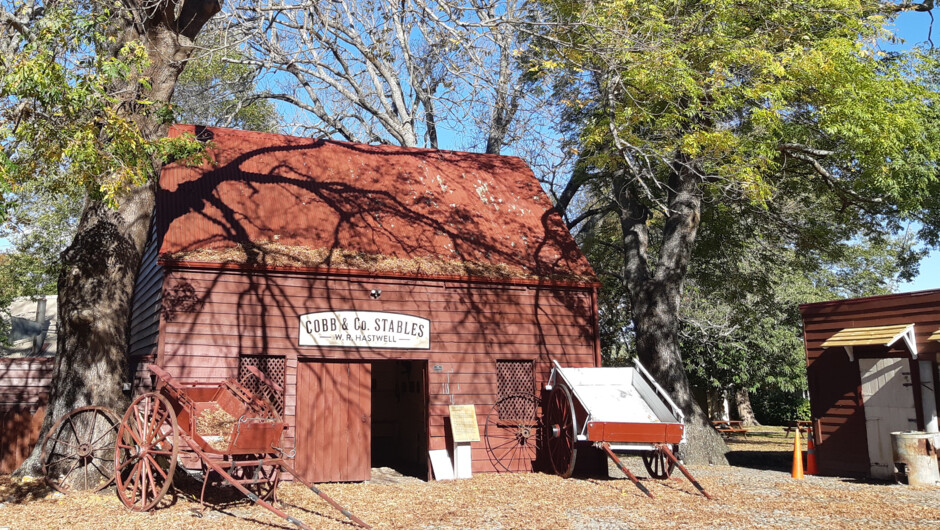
(399, 417)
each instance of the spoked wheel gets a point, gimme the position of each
(77, 452)
(559, 431)
(513, 433)
(658, 464)
(146, 451)
(260, 480)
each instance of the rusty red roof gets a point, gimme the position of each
(271, 199)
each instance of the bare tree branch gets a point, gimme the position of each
(405, 67)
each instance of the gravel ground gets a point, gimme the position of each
(756, 492)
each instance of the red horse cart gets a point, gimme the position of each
(160, 427)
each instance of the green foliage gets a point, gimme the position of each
(779, 407)
(737, 88)
(39, 226)
(70, 107)
(216, 90)
(38, 229)
(65, 111)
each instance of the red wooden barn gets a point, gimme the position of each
(872, 368)
(380, 284)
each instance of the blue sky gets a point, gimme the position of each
(914, 28)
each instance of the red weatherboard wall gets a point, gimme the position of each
(834, 381)
(230, 313)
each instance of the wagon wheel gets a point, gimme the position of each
(657, 464)
(559, 431)
(146, 451)
(260, 480)
(76, 453)
(513, 433)
(269, 477)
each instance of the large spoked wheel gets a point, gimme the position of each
(559, 431)
(77, 452)
(513, 433)
(146, 451)
(658, 464)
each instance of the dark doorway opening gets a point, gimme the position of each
(399, 417)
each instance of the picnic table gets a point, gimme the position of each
(798, 425)
(728, 427)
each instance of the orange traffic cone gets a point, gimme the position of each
(810, 454)
(797, 457)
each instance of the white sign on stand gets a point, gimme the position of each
(463, 423)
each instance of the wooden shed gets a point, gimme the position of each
(872, 369)
(380, 284)
(26, 366)
(24, 393)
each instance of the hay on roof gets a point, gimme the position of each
(266, 253)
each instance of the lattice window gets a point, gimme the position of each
(515, 378)
(274, 367)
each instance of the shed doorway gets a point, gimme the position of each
(399, 416)
(334, 409)
(889, 407)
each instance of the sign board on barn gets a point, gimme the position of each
(463, 423)
(365, 329)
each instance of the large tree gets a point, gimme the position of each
(85, 93)
(687, 107)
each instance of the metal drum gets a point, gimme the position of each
(915, 457)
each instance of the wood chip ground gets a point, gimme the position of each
(756, 492)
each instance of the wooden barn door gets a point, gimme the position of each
(889, 407)
(334, 417)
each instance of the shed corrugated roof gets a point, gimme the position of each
(269, 199)
(867, 336)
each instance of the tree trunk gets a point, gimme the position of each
(655, 296)
(100, 266)
(742, 401)
(657, 347)
(716, 404)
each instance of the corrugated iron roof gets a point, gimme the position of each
(868, 336)
(282, 200)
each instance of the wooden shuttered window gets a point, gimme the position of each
(273, 367)
(515, 378)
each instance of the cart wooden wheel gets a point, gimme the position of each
(513, 433)
(77, 452)
(657, 464)
(146, 451)
(265, 482)
(260, 480)
(559, 431)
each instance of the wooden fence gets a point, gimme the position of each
(24, 392)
